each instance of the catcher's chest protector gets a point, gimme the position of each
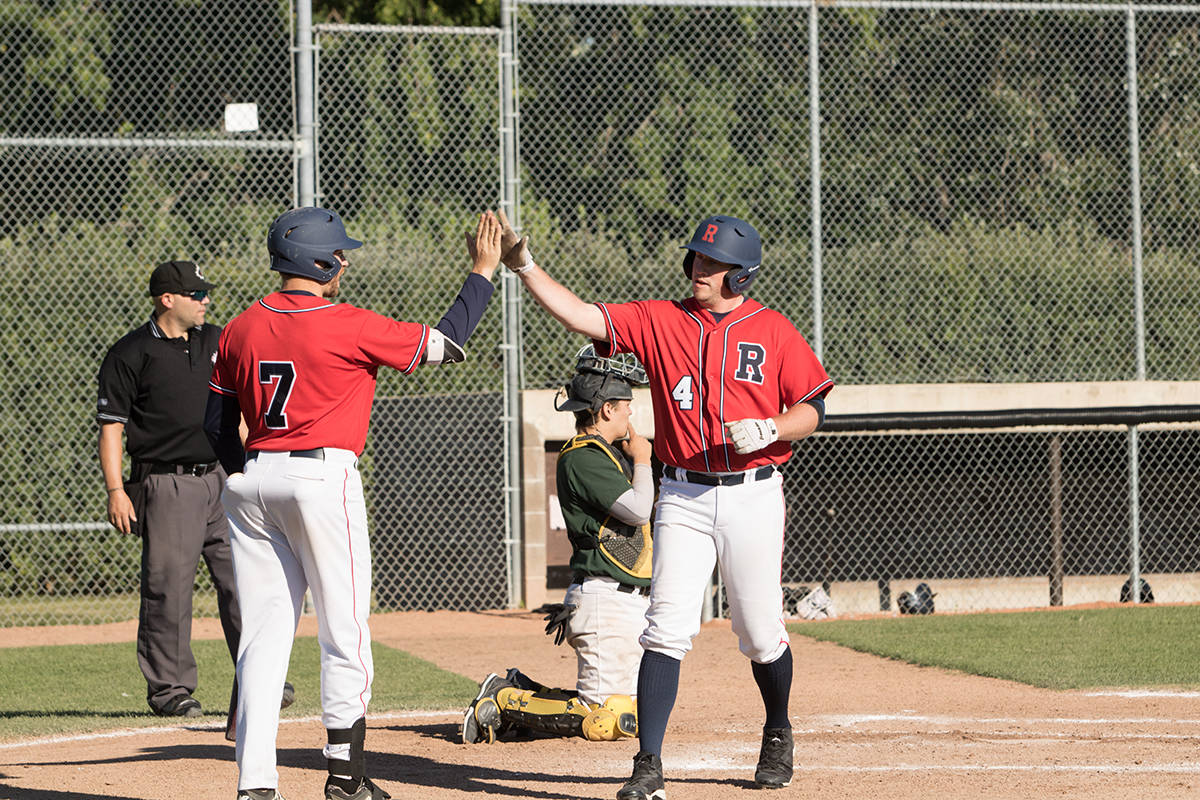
(626, 547)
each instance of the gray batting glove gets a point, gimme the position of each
(749, 435)
(514, 250)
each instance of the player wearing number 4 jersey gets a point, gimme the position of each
(732, 383)
(301, 371)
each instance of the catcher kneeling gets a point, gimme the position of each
(606, 493)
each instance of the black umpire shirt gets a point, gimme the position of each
(158, 387)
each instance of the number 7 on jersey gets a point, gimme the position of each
(284, 374)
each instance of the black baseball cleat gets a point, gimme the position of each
(774, 759)
(647, 780)
(259, 794)
(364, 789)
(181, 705)
(481, 721)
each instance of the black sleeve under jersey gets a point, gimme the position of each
(819, 404)
(222, 417)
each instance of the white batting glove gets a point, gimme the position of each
(749, 435)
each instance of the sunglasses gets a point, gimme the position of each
(198, 295)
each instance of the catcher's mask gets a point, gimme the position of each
(303, 242)
(599, 380)
(729, 240)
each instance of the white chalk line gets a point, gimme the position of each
(999, 737)
(671, 766)
(126, 732)
(1140, 693)
(850, 720)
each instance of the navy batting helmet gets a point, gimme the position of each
(599, 380)
(303, 241)
(730, 240)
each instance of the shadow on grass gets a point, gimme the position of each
(83, 712)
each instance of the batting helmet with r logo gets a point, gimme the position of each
(729, 240)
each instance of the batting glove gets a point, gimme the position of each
(749, 435)
(514, 249)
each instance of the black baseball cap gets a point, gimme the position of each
(177, 277)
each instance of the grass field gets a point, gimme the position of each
(74, 688)
(1142, 646)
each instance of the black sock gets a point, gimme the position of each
(774, 683)
(658, 683)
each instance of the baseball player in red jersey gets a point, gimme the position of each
(732, 383)
(300, 369)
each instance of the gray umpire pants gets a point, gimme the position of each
(183, 521)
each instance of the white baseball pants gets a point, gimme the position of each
(740, 529)
(296, 524)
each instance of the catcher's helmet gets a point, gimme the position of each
(919, 601)
(598, 380)
(302, 242)
(730, 240)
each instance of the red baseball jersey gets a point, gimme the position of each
(303, 369)
(703, 373)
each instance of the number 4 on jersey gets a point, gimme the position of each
(285, 373)
(682, 393)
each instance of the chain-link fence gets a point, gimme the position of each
(1007, 192)
(995, 205)
(1017, 518)
(408, 131)
(113, 157)
(977, 176)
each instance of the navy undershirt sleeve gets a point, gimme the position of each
(222, 417)
(459, 321)
(819, 404)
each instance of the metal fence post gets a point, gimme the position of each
(814, 124)
(1139, 310)
(305, 146)
(510, 201)
(1135, 551)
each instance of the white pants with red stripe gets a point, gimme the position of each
(740, 529)
(295, 524)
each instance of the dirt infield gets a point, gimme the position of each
(865, 727)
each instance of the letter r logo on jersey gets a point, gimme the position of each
(751, 357)
(710, 234)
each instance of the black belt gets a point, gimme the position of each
(687, 476)
(627, 588)
(317, 452)
(160, 468)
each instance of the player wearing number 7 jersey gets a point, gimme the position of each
(732, 383)
(300, 369)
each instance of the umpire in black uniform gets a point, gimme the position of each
(153, 389)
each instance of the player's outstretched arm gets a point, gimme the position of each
(458, 323)
(564, 305)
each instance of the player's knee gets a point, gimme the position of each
(764, 644)
(659, 641)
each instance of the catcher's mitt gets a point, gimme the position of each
(556, 620)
